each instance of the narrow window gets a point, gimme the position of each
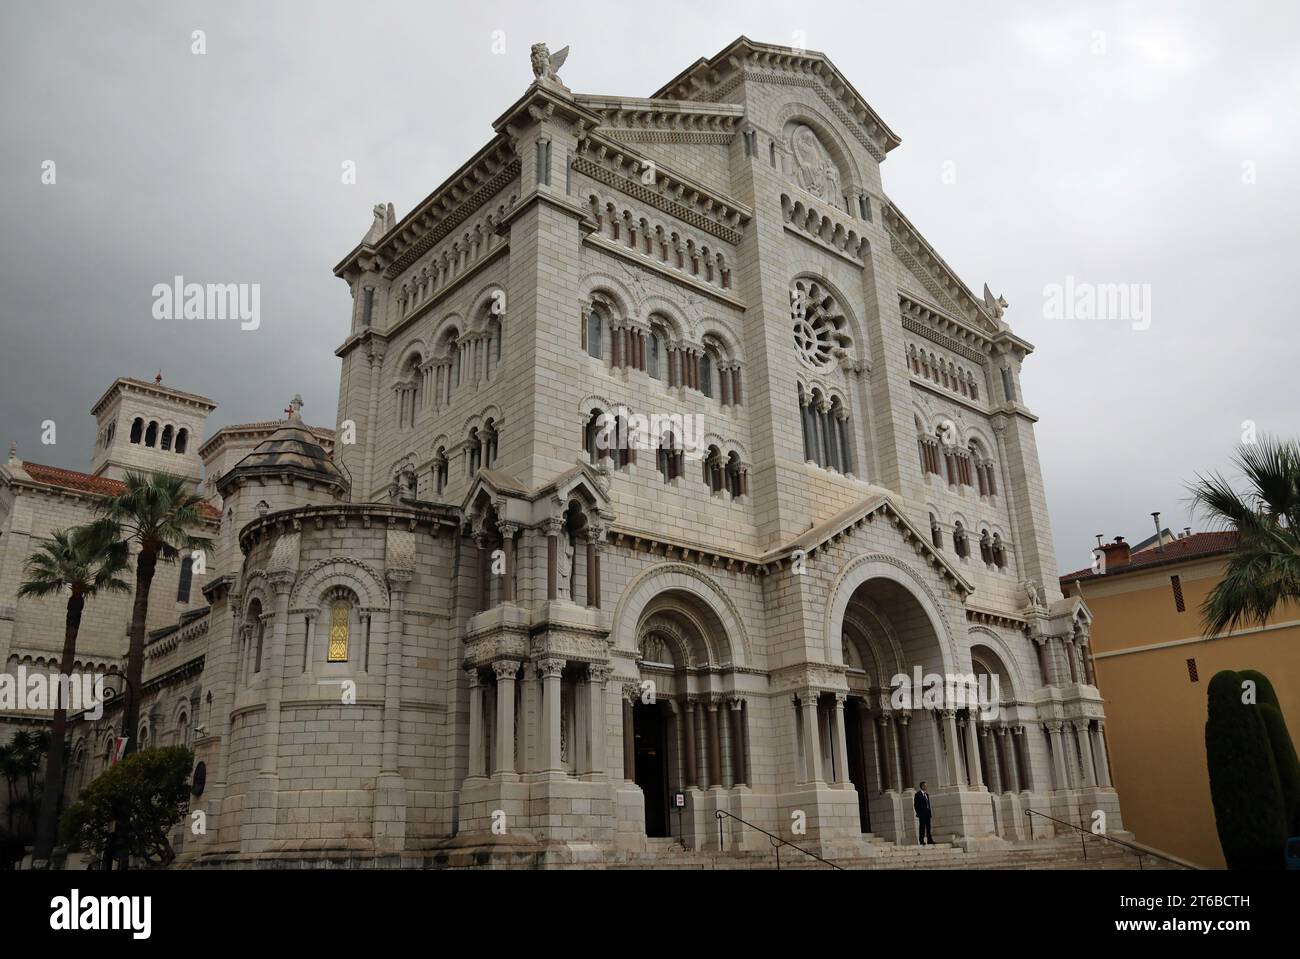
(338, 641)
(182, 440)
(367, 304)
(1178, 593)
(706, 375)
(186, 578)
(151, 435)
(593, 334)
(771, 153)
(1192, 674)
(652, 357)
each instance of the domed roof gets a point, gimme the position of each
(292, 450)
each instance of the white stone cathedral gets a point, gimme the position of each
(669, 455)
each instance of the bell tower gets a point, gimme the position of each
(149, 427)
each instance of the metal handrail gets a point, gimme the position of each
(776, 841)
(1085, 833)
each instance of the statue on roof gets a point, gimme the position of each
(295, 408)
(385, 220)
(995, 307)
(546, 65)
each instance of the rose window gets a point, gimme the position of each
(818, 323)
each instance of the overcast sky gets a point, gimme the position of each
(1135, 143)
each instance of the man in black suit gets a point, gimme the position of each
(921, 803)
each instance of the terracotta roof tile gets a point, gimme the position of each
(89, 483)
(1189, 547)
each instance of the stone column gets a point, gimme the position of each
(1058, 755)
(476, 754)
(553, 529)
(715, 745)
(549, 670)
(903, 730)
(1022, 753)
(691, 767)
(954, 744)
(597, 674)
(1103, 758)
(973, 750)
(995, 759)
(739, 774)
(484, 573)
(1084, 735)
(839, 741)
(1013, 760)
(273, 663)
(508, 531)
(505, 671)
(393, 650)
(595, 546)
(885, 745)
(630, 692)
(1005, 782)
(812, 746)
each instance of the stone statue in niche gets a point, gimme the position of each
(813, 169)
(564, 568)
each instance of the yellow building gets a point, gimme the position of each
(1153, 665)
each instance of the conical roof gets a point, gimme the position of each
(292, 450)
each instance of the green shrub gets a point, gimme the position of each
(1284, 754)
(148, 790)
(1244, 782)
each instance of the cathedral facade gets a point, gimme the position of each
(675, 474)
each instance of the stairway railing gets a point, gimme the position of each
(1138, 851)
(776, 841)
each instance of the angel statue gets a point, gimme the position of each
(546, 65)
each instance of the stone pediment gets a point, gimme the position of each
(846, 521)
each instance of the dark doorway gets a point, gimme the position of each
(651, 765)
(858, 752)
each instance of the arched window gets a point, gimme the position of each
(960, 544)
(261, 639)
(713, 468)
(440, 470)
(669, 458)
(337, 650)
(182, 439)
(654, 360)
(109, 748)
(185, 580)
(167, 434)
(735, 475)
(183, 730)
(151, 434)
(475, 448)
(592, 333)
(489, 443)
(409, 391)
(806, 424)
(706, 374)
(137, 430)
(595, 438)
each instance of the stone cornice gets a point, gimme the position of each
(614, 164)
(459, 195)
(372, 515)
(942, 329)
(744, 60)
(939, 278)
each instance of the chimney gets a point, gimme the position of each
(1160, 538)
(1117, 553)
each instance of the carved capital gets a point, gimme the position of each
(505, 669)
(550, 668)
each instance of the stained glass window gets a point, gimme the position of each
(338, 647)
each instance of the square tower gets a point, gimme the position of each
(148, 426)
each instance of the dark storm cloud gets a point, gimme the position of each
(1107, 144)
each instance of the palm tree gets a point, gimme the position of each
(155, 513)
(1264, 570)
(84, 562)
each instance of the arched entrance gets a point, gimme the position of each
(889, 639)
(689, 726)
